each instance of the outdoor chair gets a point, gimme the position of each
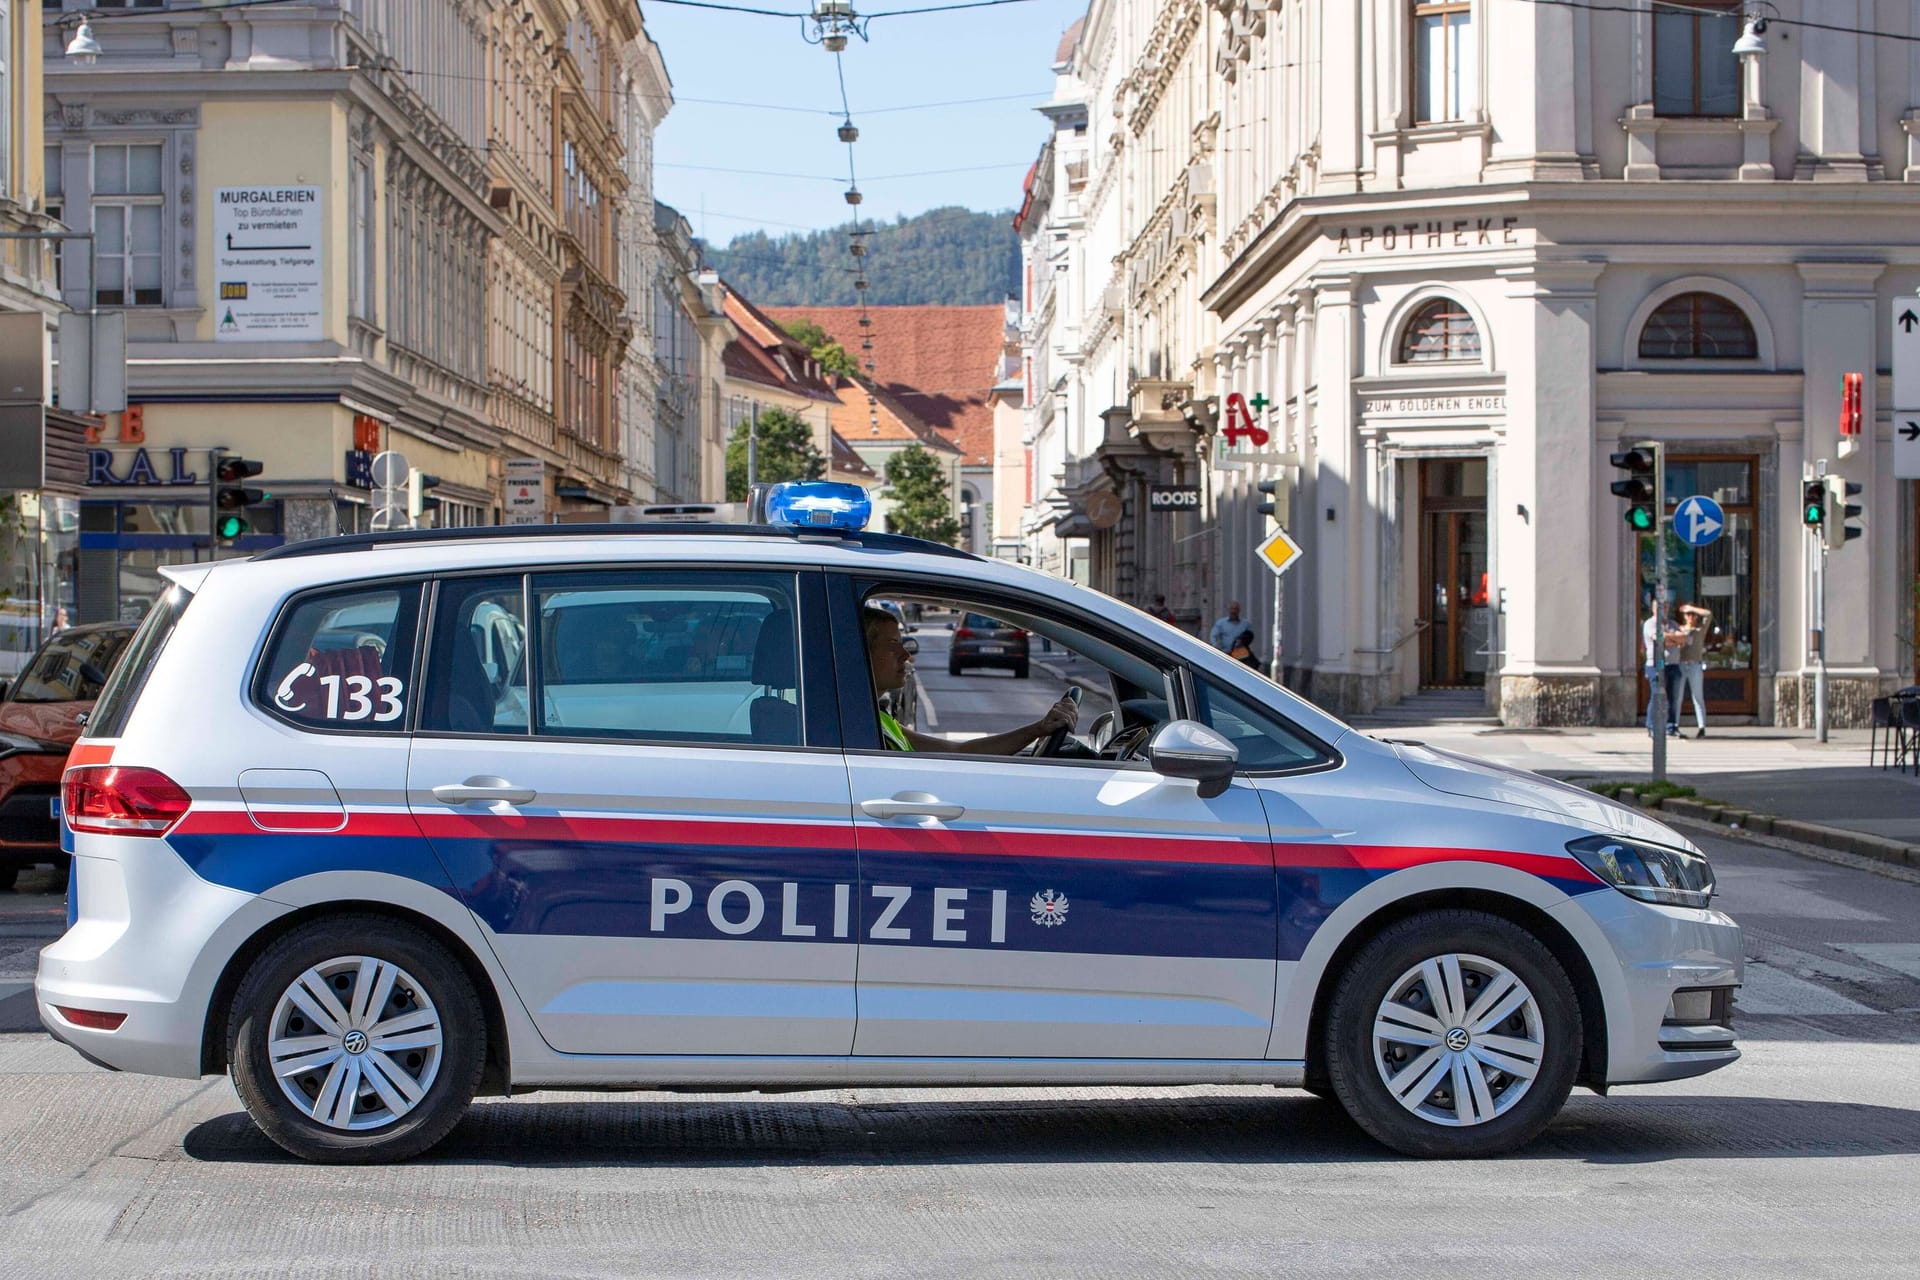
(1907, 747)
(1884, 722)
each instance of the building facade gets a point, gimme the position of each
(341, 229)
(1451, 256)
(39, 520)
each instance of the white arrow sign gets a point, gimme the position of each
(1906, 354)
(1906, 446)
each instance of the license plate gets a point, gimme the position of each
(993, 648)
(53, 807)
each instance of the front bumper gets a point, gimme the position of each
(158, 967)
(1659, 951)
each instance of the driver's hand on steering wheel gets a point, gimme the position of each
(1062, 715)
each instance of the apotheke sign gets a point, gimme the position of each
(1428, 234)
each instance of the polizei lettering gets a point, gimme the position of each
(886, 912)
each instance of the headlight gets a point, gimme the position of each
(1649, 872)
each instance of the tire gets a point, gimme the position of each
(1019, 671)
(8, 877)
(428, 987)
(1477, 951)
(954, 668)
(62, 869)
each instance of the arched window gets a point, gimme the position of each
(1698, 326)
(1440, 331)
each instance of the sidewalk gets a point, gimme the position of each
(1778, 773)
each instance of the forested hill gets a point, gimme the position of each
(951, 257)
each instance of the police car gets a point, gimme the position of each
(380, 823)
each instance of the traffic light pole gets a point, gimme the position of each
(1656, 670)
(1820, 613)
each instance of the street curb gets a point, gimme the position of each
(1859, 843)
(1800, 849)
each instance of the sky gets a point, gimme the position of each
(955, 58)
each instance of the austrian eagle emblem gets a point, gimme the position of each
(1049, 909)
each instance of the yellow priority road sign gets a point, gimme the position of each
(1279, 552)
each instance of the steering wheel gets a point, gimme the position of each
(1050, 746)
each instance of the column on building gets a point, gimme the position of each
(1541, 496)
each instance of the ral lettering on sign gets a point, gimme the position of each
(1173, 497)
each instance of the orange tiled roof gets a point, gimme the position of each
(938, 365)
(765, 353)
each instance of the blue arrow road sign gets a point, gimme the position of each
(1698, 520)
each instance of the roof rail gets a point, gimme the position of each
(499, 533)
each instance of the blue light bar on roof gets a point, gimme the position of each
(819, 504)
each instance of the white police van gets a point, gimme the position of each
(382, 822)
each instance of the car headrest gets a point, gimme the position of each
(773, 652)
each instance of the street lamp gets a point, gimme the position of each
(1750, 41)
(83, 49)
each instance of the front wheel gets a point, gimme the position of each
(1453, 1034)
(356, 1040)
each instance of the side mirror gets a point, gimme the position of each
(1188, 749)
(911, 645)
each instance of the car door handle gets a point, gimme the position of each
(491, 790)
(912, 804)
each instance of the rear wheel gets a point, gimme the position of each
(356, 1039)
(954, 668)
(1019, 671)
(8, 875)
(1453, 1034)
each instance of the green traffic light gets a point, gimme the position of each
(232, 526)
(1641, 518)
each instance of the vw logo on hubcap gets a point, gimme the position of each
(356, 1041)
(1457, 1040)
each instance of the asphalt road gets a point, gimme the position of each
(1803, 1159)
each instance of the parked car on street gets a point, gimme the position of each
(381, 823)
(39, 722)
(982, 641)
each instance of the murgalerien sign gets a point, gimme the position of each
(1477, 232)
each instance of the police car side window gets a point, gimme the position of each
(477, 664)
(661, 656)
(341, 660)
(1265, 742)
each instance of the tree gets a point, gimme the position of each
(786, 452)
(922, 507)
(832, 356)
(949, 255)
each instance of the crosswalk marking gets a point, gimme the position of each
(1768, 990)
(1901, 957)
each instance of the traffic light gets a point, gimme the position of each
(418, 482)
(232, 497)
(1813, 505)
(1272, 506)
(1638, 488)
(1839, 511)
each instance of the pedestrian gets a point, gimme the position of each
(1659, 640)
(1696, 627)
(1227, 629)
(1242, 649)
(1161, 611)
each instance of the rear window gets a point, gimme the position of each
(72, 667)
(981, 622)
(342, 660)
(109, 716)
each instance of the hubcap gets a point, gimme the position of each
(355, 1043)
(1458, 1040)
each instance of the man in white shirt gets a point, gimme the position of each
(1658, 643)
(1227, 630)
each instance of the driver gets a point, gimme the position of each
(888, 657)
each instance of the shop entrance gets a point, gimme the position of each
(1718, 577)
(1456, 644)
